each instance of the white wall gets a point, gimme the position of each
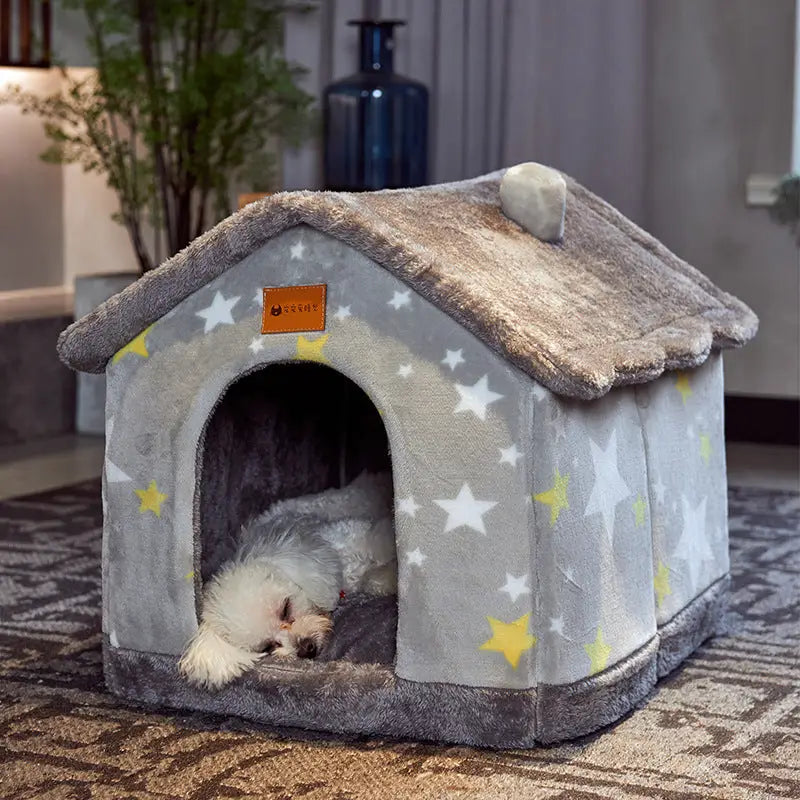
(93, 243)
(31, 225)
(55, 221)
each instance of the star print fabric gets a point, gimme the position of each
(547, 516)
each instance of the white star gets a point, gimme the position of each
(114, 474)
(342, 313)
(609, 488)
(415, 557)
(218, 313)
(559, 423)
(660, 489)
(405, 370)
(464, 510)
(112, 638)
(476, 398)
(690, 431)
(408, 506)
(539, 392)
(453, 358)
(297, 250)
(109, 427)
(693, 546)
(400, 299)
(509, 455)
(257, 345)
(258, 297)
(557, 625)
(515, 587)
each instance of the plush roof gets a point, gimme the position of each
(606, 306)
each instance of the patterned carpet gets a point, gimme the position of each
(726, 725)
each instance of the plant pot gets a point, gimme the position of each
(251, 197)
(90, 292)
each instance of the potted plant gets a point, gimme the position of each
(786, 208)
(186, 100)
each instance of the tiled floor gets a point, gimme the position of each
(50, 463)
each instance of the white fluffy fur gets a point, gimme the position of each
(305, 550)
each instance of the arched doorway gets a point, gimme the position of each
(282, 431)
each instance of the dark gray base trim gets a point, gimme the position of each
(336, 697)
(689, 628)
(575, 709)
(344, 697)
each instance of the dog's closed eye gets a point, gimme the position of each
(286, 610)
(267, 647)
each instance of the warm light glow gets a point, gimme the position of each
(26, 77)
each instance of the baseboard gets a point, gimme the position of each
(765, 420)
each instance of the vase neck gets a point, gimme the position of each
(377, 45)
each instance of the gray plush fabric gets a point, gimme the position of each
(688, 629)
(608, 305)
(352, 687)
(565, 712)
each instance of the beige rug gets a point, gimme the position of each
(726, 725)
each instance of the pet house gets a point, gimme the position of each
(551, 412)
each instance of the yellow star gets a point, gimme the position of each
(151, 499)
(137, 346)
(311, 349)
(640, 510)
(705, 447)
(189, 576)
(556, 497)
(661, 583)
(682, 385)
(510, 638)
(598, 652)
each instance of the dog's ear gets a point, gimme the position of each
(212, 662)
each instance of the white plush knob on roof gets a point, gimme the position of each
(535, 197)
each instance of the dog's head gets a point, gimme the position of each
(251, 611)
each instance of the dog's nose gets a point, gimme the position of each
(307, 648)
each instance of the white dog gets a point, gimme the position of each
(293, 562)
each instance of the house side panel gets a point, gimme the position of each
(682, 418)
(591, 523)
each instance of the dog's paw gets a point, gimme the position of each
(211, 662)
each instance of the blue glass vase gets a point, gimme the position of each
(376, 122)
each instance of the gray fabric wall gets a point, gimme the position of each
(505, 83)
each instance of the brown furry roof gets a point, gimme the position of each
(608, 305)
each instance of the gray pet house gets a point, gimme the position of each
(551, 413)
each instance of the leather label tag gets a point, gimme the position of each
(292, 309)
